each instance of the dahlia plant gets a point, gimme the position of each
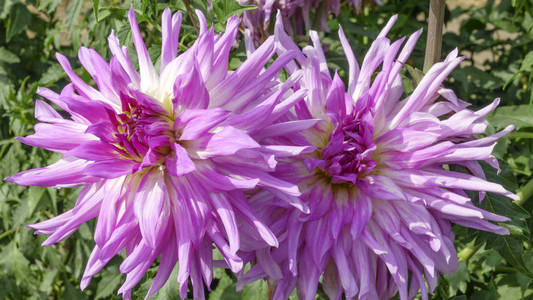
(390, 173)
(164, 157)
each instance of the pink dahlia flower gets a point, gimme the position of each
(164, 156)
(383, 186)
(296, 14)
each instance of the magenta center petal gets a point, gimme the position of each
(348, 155)
(142, 133)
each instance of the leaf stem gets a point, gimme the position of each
(434, 34)
(10, 231)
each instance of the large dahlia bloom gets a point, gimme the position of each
(390, 174)
(164, 156)
(297, 15)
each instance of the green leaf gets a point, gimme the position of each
(12, 261)
(20, 214)
(518, 115)
(458, 281)
(96, 4)
(52, 75)
(49, 5)
(46, 285)
(528, 259)
(19, 20)
(486, 295)
(527, 63)
(224, 9)
(73, 11)
(81, 253)
(171, 288)
(255, 291)
(492, 260)
(108, 284)
(35, 194)
(415, 73)
(10, 163)
(510, 247)
(508, 287)
(5, 7)
(85, 232)
(521, 135)
(8, 56)
(506, 207)
(72, 292)
(524, 281)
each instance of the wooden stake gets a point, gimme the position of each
(434, 34)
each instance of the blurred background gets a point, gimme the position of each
(495, 36)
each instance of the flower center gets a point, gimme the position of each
(142, 130)
(348, 154)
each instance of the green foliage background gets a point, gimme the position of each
(496, 38)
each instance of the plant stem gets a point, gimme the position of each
(526, 192)
(270, 292)
(7, 141)
(190, 12)
(6, 233)
(322, 9)
(504, 269)
(434, 34)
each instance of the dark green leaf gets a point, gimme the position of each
(458, 281)
(524, 281)
(96, 4)
(8, 56)
(171, 288)
(72, 292)
(224, 9)
(108, 284)
(48, 5)
(18, 21)
(52, 75)
(73, 11)
(527, 63)
(415, 73)
(46, 285)
(5, 7)
(12, 261)
(518, 115)
(485, 295)
(255, 291)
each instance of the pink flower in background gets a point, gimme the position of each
(298, 15)
(164, 156)
(388, 178)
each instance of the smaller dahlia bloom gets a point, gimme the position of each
(358, 4)
(390, 175)
(164, 156)
(296, 14)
